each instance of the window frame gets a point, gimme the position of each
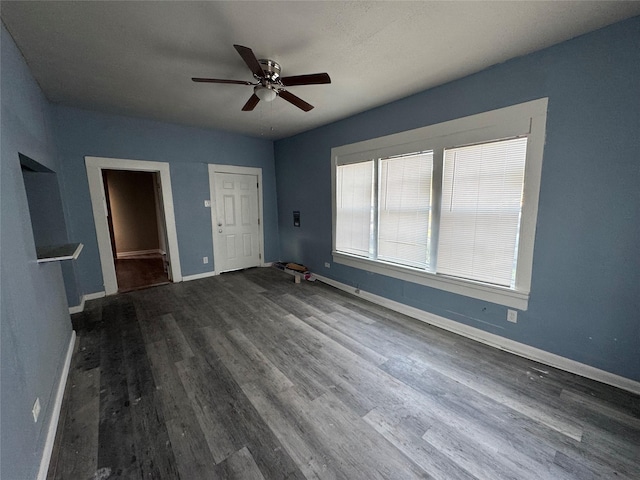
(524, 119)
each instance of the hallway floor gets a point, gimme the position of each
(140, 272)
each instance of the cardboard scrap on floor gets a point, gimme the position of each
(298, 271)
(297, 267)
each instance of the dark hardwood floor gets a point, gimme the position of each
(145, 271)
(249, 376)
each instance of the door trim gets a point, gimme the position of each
(94, 166)
(257, 171)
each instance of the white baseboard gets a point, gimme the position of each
(77, 308)
(94, 295)
(493, 340)
(88, 296)
(55, 414)
(198, 276)
(138, 253)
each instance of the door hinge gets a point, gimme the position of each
(257, 185)
(259, 256)
(258, 221)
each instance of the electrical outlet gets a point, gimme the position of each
(327, 265)
(207, 203)
(512, 316)
(36, 409)
(205, 259)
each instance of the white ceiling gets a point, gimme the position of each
(137, 58)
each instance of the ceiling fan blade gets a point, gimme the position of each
(311, 79)
(298, 102)
(250, 59)
(218, 80)
(251, 103)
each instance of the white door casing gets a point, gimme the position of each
(94, 166)
(162, 224)
(236, 217)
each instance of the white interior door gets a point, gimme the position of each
(236, 221)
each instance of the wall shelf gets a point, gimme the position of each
(56, 253)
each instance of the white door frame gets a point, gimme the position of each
(95, 165)
(213, 169)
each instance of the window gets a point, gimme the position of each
(452, 205)
(405, 209)
(355, 194)
(480, 212)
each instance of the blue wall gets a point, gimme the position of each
(35, 328)
(585, 294)
(188, 150)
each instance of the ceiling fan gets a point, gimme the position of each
(269, 83)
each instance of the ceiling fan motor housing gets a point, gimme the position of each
(271, 70)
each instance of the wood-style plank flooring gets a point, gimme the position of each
(134, 273)
(249, 376)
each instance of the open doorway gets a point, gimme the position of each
(136, 228)
(100, 205)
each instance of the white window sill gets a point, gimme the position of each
(481, 291)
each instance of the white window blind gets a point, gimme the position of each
(354, 205)
(404, 210)
(480, 213)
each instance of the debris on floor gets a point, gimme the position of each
(297, 267)
(102, 474)
(297, 270)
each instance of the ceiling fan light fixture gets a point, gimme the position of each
(266, 94)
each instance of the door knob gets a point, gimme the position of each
(220, 230)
